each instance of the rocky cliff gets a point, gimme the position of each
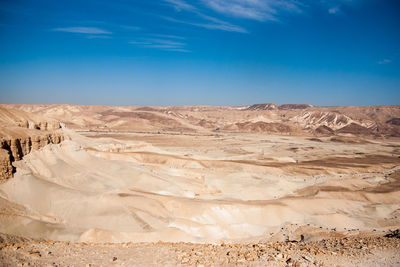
(15, 148)
(41, 125)
(20, 133)
(6, 167)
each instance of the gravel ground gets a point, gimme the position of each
(358, 250)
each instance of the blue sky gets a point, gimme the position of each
(205, 52)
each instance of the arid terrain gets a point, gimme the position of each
(269, 185)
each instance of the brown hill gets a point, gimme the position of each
(268, 106)
(355, 129)
(261, 127)
(294, 106)
(316, 118)
(271, 106)
(394, 121)
(324, 130)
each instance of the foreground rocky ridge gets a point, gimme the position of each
(357, 250)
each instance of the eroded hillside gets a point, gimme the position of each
(375, 121)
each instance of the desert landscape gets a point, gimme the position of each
(200, 133)
(257, 185)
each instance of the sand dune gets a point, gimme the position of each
(109, 190)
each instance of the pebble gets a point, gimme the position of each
(309, 259)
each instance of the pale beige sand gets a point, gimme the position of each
(200, 188)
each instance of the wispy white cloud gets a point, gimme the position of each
(260, 10)
(83, 30)
(167, 36)
(335, 7)
(130, 28)
(334, 10)
(163, 44)
(181, 5)
(207, 22)
(213, 24)
(98, 36)
(384, 61)
(224, 27)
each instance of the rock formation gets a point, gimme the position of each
(6, 168)
(14, 149)
(20, 133)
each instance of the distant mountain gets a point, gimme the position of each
(270, 106)
(287, 119)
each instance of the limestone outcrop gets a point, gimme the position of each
(6, 167)
(14, 149)
(20, 133)
(41, 125)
